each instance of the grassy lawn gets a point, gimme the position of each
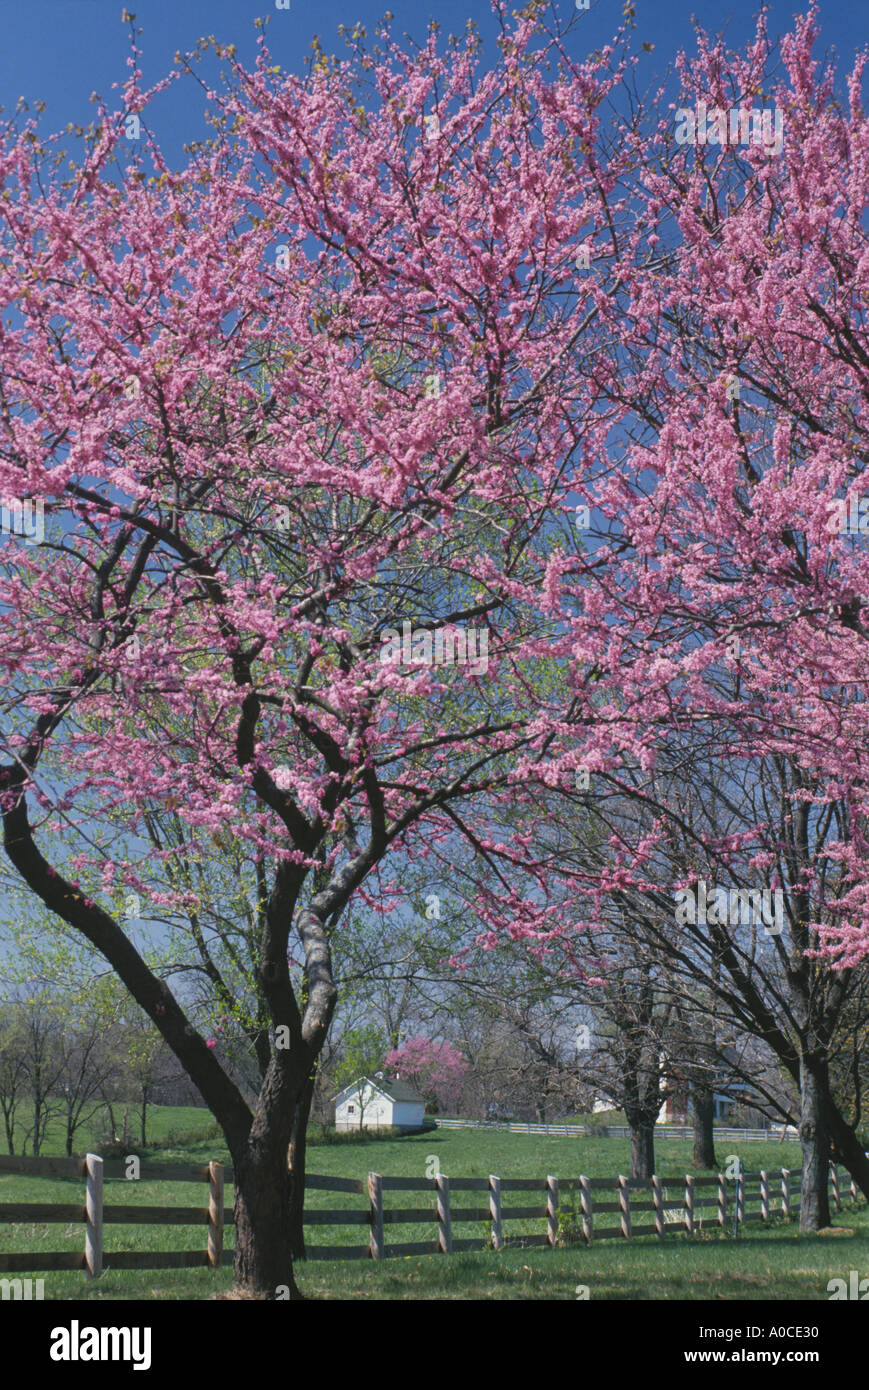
(777, 1263)
(470, 1153)
(168, 1126)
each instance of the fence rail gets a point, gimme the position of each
(95, 1214)
(579, 1209)
(723, 1134)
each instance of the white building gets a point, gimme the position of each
(376, 1103)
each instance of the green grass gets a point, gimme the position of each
(168, 1126)
(777, 1263)
(472, 1153)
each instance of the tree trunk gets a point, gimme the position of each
(296, 1155)
(815, 1144)
(848, 1146)
(37, 1130)
(703, 1114)
(9, 1125)
(642, 1148)
(263, 1267)
(110, 1108)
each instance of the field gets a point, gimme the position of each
(777, 1263)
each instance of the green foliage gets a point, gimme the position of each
(569, 1226)
(329, 1135)
(362, 1053)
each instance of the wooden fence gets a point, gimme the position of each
(95, 1214)
(576, 1210)
(580, 1209)
(724, 1134)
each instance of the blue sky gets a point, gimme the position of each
(60, 51)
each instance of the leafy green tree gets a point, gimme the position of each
(13, 1069)
(363, 1050)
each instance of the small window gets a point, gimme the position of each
(351, 1109)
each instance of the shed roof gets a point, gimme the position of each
(391, 1087)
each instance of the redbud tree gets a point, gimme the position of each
(727, 538)
(321, 391)
(733, 504)
(743, 537)
(437, 1069)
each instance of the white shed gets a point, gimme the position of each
(377, 1102)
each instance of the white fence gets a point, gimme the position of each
(723, 1135)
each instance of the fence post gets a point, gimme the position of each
(495, 1211)
(215, 1214)
(835, 1175)
(689, 1204)
(552, 1210)
(587, 1213)
(445, 1225)
(722, 1200)
(625, 1206)
(786, 1192)
(764, 1195)
(740, 1197)
(93, 1235)
(658, 1200)
(376, 1244)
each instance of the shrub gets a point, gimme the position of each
(330, 1135)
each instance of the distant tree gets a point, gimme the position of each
(13, 1069)
(436, 1069)
(87, 1047)
(147, 1063)
(71, 1007)
(43, 1062)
